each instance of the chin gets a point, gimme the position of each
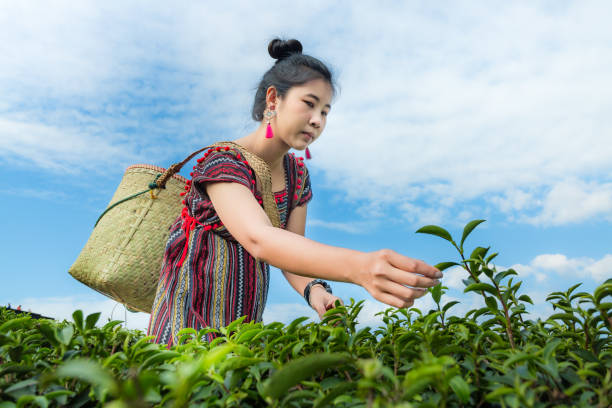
(300, 145)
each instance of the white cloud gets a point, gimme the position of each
(60, 149)
(61, 308)
(546, 265)
(367, 315)
(38, 194)
(540, 308)
(573, 201)
(601, 270)
(424, 215)
(351, 228)
(287, 312)
(453, 277)
(444, 110)
(513, 200)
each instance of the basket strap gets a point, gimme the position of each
(119, 202)
(172, 170)
(261, 168)
(262, 171)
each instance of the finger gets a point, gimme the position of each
(411, 279)
(412, 265)
(332, 302)
(394, 301)
(320, 311)
(402, 292)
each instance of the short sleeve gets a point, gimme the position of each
(307, 193)
(225, 166)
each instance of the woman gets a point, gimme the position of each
(216, 263)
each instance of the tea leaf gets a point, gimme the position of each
(88, 371)
(247, 335)
(419, 378)
(233, 326)
(475, 287)
(449, 305)
(499, 392)
(78, 319)
(65, 335)
(437, 231)
(337, 390)
(587, 355)
(461, 388)
(601, 292)
(445, 265)
(500, 276)
(158, 358)
(566, 317)
(297, 370)
(91, 320)
(570, 290)
(468, 229)
(436, 292)
(22, 388)
(25, 400)
(214, 356)
(491, 257)
(237, 363)
(11, 324)
(292, 326)
(491, 302)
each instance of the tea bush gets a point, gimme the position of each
(494, 356)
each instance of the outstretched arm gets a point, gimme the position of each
(385, 274)
(320, 300)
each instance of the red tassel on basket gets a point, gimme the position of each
(308, 156)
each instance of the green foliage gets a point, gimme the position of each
(493, 356)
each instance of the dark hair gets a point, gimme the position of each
(291, 68)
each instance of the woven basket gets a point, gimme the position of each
(123, 256)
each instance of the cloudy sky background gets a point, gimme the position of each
(446, 113)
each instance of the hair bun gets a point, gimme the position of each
(279, 49)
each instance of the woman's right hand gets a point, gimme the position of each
(386, 273)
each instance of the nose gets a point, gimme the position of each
(315, 121)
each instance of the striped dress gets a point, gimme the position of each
(207, 278)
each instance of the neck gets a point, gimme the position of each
(270, 150)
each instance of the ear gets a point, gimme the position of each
(271, 97)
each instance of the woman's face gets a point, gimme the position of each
(301, 114)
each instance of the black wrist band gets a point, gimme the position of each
(311, 284)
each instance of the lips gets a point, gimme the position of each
(308, 134)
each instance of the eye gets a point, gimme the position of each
(309, 104)
(324, 113)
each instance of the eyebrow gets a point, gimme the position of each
(318, 99)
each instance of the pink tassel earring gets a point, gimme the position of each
(269, 114)
(308, 155)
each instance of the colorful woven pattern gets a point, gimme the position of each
(207, 278)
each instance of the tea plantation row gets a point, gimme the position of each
(492, 357)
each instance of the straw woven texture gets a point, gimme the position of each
(124, 253)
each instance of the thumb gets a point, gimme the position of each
(331, 302)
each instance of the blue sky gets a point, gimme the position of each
(446, 113)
